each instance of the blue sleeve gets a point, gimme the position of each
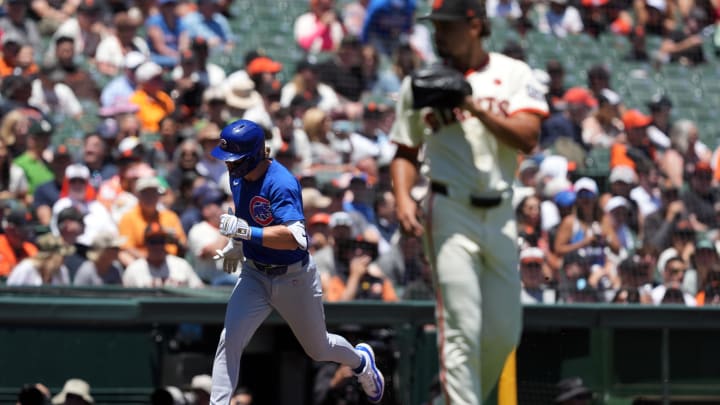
(225, 26)
(286, 203)
(372, 9)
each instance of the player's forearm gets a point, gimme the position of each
(520, 131)
(403, 171)
(278, 237)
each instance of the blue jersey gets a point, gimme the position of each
(273, 199)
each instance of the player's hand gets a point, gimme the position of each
(231, 254)
(407, 216)
(234, 227)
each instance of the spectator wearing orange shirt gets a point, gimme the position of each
(133, 224)
(14, 245)
(17, 57)
(153, 103)
(637, 145)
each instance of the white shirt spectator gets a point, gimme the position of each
(659, 292)
(563, 25)
(97, 218)
(201, 235)
(110, 51)
(503, 8)
(173, 272)
(26, 274)
(87, 275)
(61, 100)
(328, 98)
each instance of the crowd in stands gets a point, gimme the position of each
(77, 391)
(135, 200)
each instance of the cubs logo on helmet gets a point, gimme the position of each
(260, 210)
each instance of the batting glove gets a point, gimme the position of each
(234, 227)
(232, 255)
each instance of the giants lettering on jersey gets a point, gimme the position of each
(260, 210)
(494, 105)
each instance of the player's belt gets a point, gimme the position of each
(475, 201)
(278, 269)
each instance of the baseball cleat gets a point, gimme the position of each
(371, 379)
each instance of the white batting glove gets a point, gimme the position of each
(234, 227)
(232, 254)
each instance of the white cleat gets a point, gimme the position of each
(371, 379)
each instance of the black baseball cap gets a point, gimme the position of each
(450, 10)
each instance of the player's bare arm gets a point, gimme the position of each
(520, 130)
(279, 237)
(404, 173)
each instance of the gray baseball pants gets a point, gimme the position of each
(297, 296)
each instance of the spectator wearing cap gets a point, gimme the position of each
(682, 245)
(703, 261)
(32, 163)
(208, 136)
(621, 180)
(387, 23)
(210, 25)
(574, 281)
(166, 34)
(598, 78)
(601, 128)
(560, 19)
(244, 101)
(700, 198)
(17, 57)
(133, 224)
(686, 150)
(101, 266)
(53, 97)
(579, 102)
(153, 103)
(376, 117)
(14, 22)
(357, 276)
(318, 230)
(645, 194)
(201, 386)
(47, 193)
(72, 74)
(660, 108)
(556, 85)
(159, 268)
(636, 279)
(15, 244)
(673, 274)
(636, 145)
(113, 48)
(658, 226)
(263, 72)
(360, 198)
(386, 221)
(585, 228)
(119, 90)
(618, 209)
(532, 263)
(572, 391)
(204, 238)
(75, 392)
(70, 226)
(307, 85)
(320, 29)
(13, 183)
(45, 267)
(341, 227)
(214, 107)
(77, 192)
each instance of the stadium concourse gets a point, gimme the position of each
(110, 110)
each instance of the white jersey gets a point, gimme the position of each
(466, 156)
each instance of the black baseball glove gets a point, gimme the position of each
(438, 86)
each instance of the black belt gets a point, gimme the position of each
(475, 201)
(276, 269)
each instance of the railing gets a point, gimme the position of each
(124, 342)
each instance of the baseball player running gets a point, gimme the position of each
(277, 272)
(469, 221)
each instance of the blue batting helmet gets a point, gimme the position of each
(244, 141)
